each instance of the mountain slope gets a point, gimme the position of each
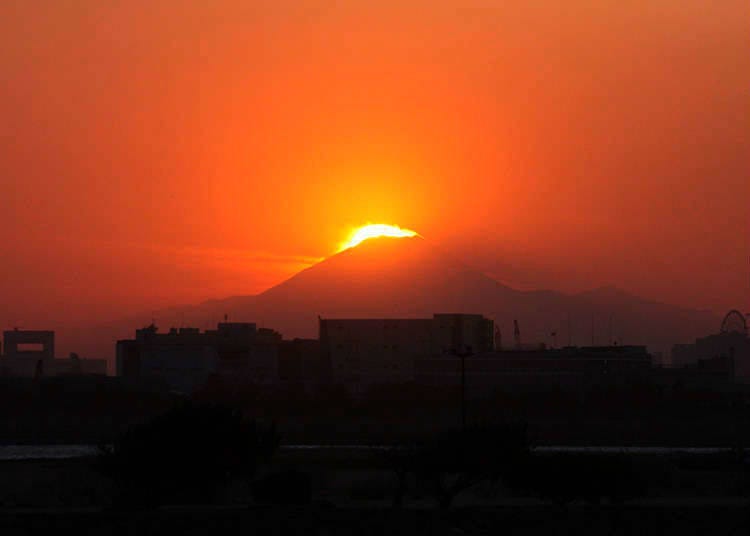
(408, 277)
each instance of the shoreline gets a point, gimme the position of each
(62, 451)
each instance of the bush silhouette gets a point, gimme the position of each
(185, 455)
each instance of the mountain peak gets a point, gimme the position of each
(410, 277)
(376, 268)
(382, 244)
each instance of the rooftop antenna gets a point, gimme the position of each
(498, 338)
(516, 334)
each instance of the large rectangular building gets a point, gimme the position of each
(362, 352)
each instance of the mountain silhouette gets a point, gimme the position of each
(409, 277)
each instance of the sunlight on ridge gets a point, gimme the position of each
(374, 230)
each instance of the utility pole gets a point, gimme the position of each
(463, 392)
(463, 355)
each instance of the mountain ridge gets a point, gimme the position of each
(409, 277)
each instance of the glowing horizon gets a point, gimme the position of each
(225, 172)
(374, 230)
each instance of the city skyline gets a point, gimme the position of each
(550, 147)
(392, 267)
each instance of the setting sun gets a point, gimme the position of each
(360, 234)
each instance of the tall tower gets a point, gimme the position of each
(498, 338)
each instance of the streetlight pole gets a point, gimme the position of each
(463, 355)
(463, 391)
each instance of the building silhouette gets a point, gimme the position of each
(568, 367)
(185, 358)
(300, 363)
(363, 352)
(729, 348)
(439, 351)
(29, 344)
(30, 353)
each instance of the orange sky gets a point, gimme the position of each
(164, 152)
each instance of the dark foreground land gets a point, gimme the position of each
(354, 490)
(327, 520)
(352, 493)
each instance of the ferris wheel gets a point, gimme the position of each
(734, 322)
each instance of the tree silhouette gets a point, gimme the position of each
(185, 455)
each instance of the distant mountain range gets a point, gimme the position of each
(409, 277)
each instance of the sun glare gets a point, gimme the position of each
(374, 230)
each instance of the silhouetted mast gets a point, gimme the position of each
(516, 334)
